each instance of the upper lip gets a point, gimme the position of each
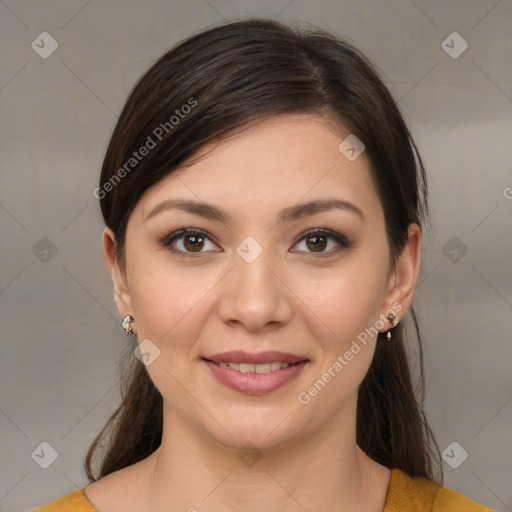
(239, 356)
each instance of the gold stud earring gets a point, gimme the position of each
(391, 318)
(127, 326)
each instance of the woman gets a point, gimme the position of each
(264, 202)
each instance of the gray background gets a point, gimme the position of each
(61, 337)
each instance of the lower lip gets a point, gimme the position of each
(255, 383)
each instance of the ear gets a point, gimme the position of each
(403, 278)
(122, 297)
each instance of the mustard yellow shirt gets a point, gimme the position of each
(405, 494)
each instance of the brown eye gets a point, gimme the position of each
(322, 241)
(193, 243)
(189, 242)
(316, 243)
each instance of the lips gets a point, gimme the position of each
(255, 374)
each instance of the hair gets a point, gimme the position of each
(215, 84)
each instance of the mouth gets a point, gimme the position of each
(260, 369)
(255, 374)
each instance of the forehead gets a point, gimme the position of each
(272, 164)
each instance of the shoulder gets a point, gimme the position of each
(422, 495)
(73, 502)
(449, 500)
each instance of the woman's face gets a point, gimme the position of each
(252, 281)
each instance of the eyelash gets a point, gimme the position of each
(168, 240)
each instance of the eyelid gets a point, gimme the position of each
(174, 235)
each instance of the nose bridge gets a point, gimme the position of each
(255, 295)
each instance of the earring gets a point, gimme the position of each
(391, 318)
(127, 325)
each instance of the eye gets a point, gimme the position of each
(191, 242)
(188, 242)
(317, 240)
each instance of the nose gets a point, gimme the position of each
(255, 296)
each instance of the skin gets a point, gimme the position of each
(290, 299)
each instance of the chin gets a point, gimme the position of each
(261, 425)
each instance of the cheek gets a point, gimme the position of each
(344, 331)
(167, 303)
(345, 301)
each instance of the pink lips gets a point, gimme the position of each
(254, 383)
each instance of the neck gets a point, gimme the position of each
(326, 471)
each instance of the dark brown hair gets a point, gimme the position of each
(215, 84)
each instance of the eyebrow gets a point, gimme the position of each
(288, 214)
